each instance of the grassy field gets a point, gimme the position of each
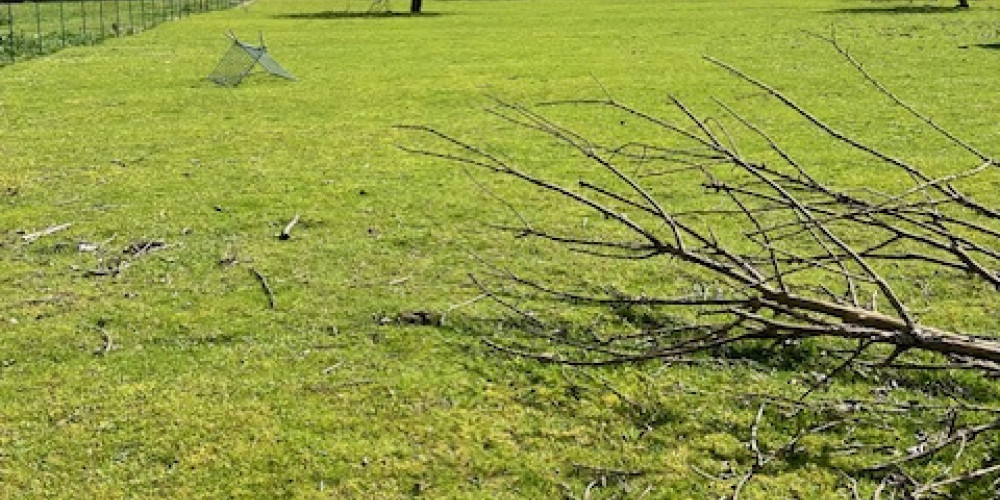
(166, 374)
(31, 29)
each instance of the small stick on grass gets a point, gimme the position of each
(107, 344)
(286, 233)
(267, 288)
(31, 237)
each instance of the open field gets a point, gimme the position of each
(147, 362)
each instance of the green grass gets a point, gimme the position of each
(207, 392)
(29, 29)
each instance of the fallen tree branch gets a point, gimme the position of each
(776, 254)
(271, 299)
(286, 233)
(32, 237)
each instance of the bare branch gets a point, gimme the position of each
(772, 257)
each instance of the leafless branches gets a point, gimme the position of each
(796, 227)
(782, 254)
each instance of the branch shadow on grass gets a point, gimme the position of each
(901, 9)
(335, 15)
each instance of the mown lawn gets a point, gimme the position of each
(173, 378)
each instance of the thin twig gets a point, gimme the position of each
(927, 488)
(743, 482)
(107, 344)
(32, 237)
(286, 233)
(966, 434)
(272, 300)
(888, 93)
(754, 429)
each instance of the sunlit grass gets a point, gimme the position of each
(205, 391)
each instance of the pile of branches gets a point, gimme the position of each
(800, 260)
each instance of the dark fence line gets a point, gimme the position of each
(34, 28)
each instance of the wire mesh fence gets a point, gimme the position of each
(33, 28)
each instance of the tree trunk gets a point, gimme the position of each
(415, 6)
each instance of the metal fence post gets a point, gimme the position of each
(38, 27)
(57, 21)
(62, 22)
(83, 15)
(10, 24)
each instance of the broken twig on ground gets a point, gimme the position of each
(31, 237)
(286, 233)
(272, 300)
(106, 345)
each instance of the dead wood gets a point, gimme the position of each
(32, 237)
(418, 318)
(142, 247)
(107, 344)
(271, 298)
(802, 259)
(286, 232)
(114, 265)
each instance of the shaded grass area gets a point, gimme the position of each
(205, 391)
(902, 9)
(332, 15)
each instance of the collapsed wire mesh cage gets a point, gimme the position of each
(241, 59)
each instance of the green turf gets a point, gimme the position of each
(31, 29)
(207, 392)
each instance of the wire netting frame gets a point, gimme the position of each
(36, 28)
(241, 59)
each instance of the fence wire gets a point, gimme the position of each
(34, 28)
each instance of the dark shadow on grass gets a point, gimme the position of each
(994, 46)
(334, 15)
(901, 9)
